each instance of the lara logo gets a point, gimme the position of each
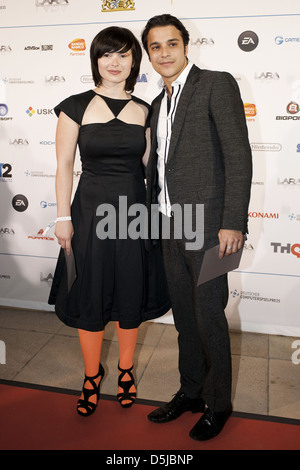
(117, 5)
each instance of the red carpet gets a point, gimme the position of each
(37, 419)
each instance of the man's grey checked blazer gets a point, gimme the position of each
(209, 160)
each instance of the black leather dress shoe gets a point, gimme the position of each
(210, 424)
(178, 405)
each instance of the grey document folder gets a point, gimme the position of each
(71, 268)
(213, 266)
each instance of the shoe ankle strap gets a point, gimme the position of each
(125, 370)
(101, 372)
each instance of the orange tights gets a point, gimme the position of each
(91, 345)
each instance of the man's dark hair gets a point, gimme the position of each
(115, 39)
(164, 20)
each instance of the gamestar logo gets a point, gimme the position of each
(117, 5)
(279, 40)
(248, 41)
(45, 204)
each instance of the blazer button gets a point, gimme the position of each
(170, 169)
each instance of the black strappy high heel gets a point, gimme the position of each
(126, 385)
(84, 402)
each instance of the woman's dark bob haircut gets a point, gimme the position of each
(164, 20)
(115, 39)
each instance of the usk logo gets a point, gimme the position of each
(30, 111)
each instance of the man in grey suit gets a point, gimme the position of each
(200, 155)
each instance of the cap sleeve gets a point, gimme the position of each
(74, 106)
(68, 106)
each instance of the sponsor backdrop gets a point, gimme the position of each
(44, 54)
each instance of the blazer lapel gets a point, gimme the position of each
(182, 107)
(154, 120)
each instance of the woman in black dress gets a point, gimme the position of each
(103, 275)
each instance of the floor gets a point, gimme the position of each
(41, 350)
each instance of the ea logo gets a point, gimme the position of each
(248, 41)
(20, 203)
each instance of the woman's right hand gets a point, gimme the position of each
(64, 233)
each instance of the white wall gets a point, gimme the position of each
(38, 70)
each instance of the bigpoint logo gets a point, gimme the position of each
(293, 108)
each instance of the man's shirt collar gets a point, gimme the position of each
(179, 80)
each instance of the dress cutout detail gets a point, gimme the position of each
(115, 105)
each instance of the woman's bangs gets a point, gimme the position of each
(116, 45)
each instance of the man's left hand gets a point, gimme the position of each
(231, 241)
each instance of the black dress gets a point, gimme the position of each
(115, 278)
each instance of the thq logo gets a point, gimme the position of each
(288, 248)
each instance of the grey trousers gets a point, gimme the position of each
(203, 336)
